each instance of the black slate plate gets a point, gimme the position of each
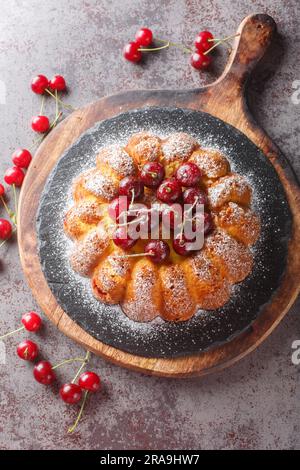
(206, 329)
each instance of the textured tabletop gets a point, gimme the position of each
(254, 404)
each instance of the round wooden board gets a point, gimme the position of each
(224, 99)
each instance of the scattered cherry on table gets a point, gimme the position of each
(70, 393)
(200, 60)
(5, 229)
(57, 83)
(203, 41)
(31, 321)
(27, 350)
(131, 52)
(40, 124)
(89, 381)
(39, 84)
(14, 176)
(144, 37)
(22, 158)
(43, 373)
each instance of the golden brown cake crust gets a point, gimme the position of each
(176, 289)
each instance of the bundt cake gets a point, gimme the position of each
(122, 202)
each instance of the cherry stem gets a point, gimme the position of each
(56, 104)
(175, 44)
(3, 243)
(10, 213)
(68, 361)
(16, 205)
(154, 49)
(68, 106)
(134, 255)
(85, 361)
(42, 105)
(12, 332)
(221, 41)
(72, 428)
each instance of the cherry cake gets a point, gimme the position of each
(161, 277)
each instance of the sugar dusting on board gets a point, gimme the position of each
(109, 323)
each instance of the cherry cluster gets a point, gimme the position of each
(200, 59)
(21, 158)
(182, 187)
(43, 371)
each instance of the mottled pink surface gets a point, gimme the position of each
(255, 404)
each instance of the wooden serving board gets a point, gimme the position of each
(225, 99)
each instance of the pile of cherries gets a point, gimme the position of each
(182, 188)
(21, 158)
(200, 59)
(43, 371)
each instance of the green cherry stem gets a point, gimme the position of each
(11, 332)
(68, 361)
(10, 213)
(154, 49)
(15, 216)
(42, 105)
(72, 428)
(220, 41)
(85, 361)
(68, 106)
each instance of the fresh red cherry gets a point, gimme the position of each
(144, 37)
(158, 249)
(40, 124)
(194, 196)
(2, 190)
(57, 83)
(181, 245)
(131, 187)
(39, 84)
(152, 174)
(172, 216)
(31, 321)
(188, 174)
(169, 190)
(89, 381)
(204, 41)
(14, 176)
(43, 373)
(117, 207)
(147, 220)
(200, 61)
(70, 393)
(131, 52)
(122, 239)
(5, 229)
(22, 158)
(27, 350)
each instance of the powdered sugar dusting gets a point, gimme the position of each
(178, 146)
(116, 158)
(158, 338)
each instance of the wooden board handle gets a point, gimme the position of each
(255, 35)
(225, 98)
